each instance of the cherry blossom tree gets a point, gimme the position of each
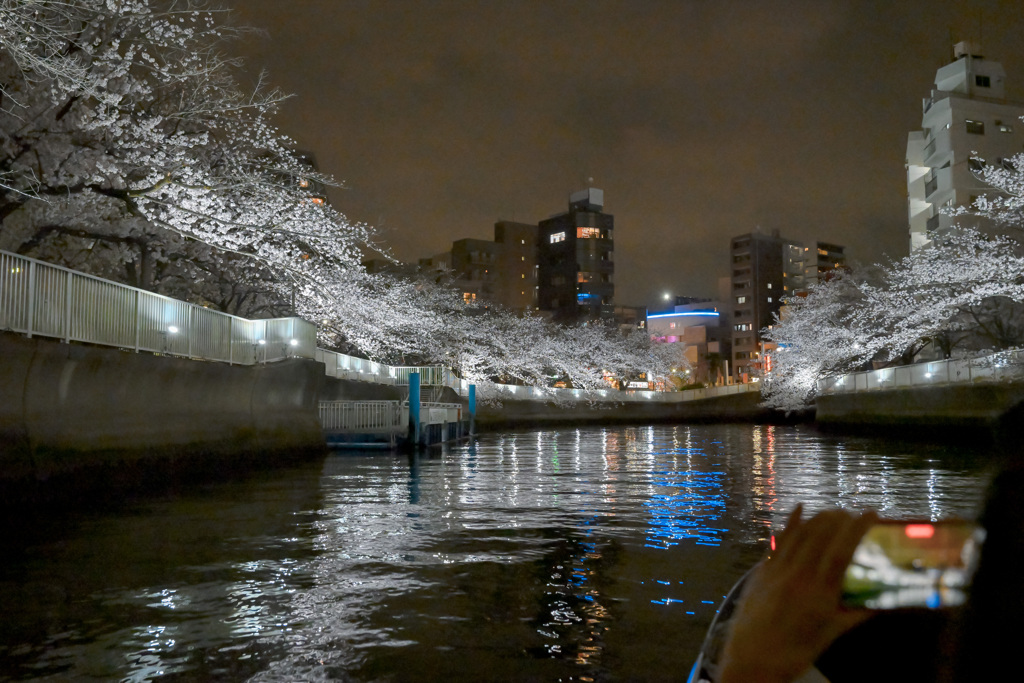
(129, 149)
(886, 315)
(124, 123)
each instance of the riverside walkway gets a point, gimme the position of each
(38, 299)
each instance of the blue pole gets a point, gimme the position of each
(414, 409)
(472, 409)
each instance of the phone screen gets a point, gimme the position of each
(913, 564)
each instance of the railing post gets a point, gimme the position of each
(30, 318)
(414, 409)
(68, 281)
(472, 409)
(138, 318)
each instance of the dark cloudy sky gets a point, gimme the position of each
(699, 119)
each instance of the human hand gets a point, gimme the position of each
(790, 611)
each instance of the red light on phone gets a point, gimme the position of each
(919, 530)
(773, 543)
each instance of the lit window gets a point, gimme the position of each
(741, 299)
(769, 299)
(769, 285)
(468, 297)
(523, 276)
(557, 237)
(522, 241)
(1005, 129)
(975, 127)
(303, 183)
(672, 326)
(588, 233)
(317, 200)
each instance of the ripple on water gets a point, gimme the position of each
(554, 554)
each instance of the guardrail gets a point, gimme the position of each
(344, 366)
(40, 299)
(362, 416)
(1006, 365)
(382, 416)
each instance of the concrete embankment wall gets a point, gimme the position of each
(980, 406)
(743, 407)
(69, 409)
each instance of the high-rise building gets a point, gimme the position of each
(967, 123)
(503, 271)
(516, 285)
(574, 259)
(825, 259)
(765, 270)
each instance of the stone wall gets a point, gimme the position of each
(978, 406)
(743, 407)
(66, 408)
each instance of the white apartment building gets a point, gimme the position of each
(967, 122)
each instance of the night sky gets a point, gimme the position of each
(700, 120)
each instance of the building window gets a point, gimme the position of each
(1005, 129)
(975, 127)
(983, 81)
(976, 165)
(672, 326)
(769, 285)
(769, 299)
(557, 237)
(588, 233)
(741, 299)
(468, 297)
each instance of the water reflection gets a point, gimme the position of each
(577, 554)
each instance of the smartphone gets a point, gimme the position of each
(901, 564)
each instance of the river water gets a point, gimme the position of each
(565, 555)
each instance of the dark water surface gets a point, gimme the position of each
(572, 554)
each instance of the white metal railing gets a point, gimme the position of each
(440, 413)
(1004, 365)
(362, 416)
(40, 299)
(350, 367)
(382, 416)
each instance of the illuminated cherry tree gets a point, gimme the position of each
(887, 314)
(124, 127)
(129, 149)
